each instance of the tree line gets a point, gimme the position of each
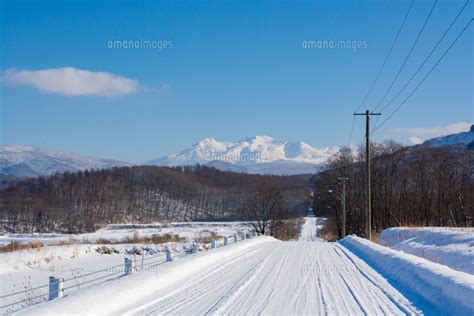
(419, 186)
(84, 201)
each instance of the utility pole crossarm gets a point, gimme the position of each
(368, 113)
(368, 223)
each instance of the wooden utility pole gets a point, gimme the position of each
(343, 200)
(368, 220)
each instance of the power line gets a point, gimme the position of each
(386, 57)
(407, 56)
(389, 53)
(426, 59)
(426, 76)
(352, 132)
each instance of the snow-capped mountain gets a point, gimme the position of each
(259, 154)
(463, 138)
(26, 161)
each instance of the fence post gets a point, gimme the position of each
(128, 266)
(235, 237)
(56, 288)
(213, 243)
(168, 255)
(225, 240)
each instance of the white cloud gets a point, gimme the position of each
(419, 134)
(415, 140)
(71, 81)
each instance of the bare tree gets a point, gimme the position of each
(264, 206)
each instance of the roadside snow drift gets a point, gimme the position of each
(453, 247)
(449, 290)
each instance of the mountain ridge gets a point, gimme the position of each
(462, 138)
(260, 154)
(28, 161)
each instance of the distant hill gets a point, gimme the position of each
(26, 161)
(459, 139)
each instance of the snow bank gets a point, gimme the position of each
(453, 247)
(111, 298)
(449, 290)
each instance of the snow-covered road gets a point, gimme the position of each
(309, 230)
(284, 278)
(252, 277)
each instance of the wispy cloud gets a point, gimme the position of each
(70, 81)
(164, 88)
(419, 134)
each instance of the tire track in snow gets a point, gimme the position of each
(371, 299)
(306, 291)
(234, 291)
(200, 288)
(398, 300)
(321, 297)
(275, 260)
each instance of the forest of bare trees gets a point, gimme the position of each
(83, 201)
(421, 186)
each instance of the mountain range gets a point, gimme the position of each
(26, 161)
(258, 154)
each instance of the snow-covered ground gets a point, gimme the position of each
(435, 288)
(309, 231)
(265, 276)
(78, 260)
(453, 247)
(117, 232)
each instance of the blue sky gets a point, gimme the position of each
(235, 69)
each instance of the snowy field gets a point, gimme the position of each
(453, 247)
(77, 259)
(116, 232)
